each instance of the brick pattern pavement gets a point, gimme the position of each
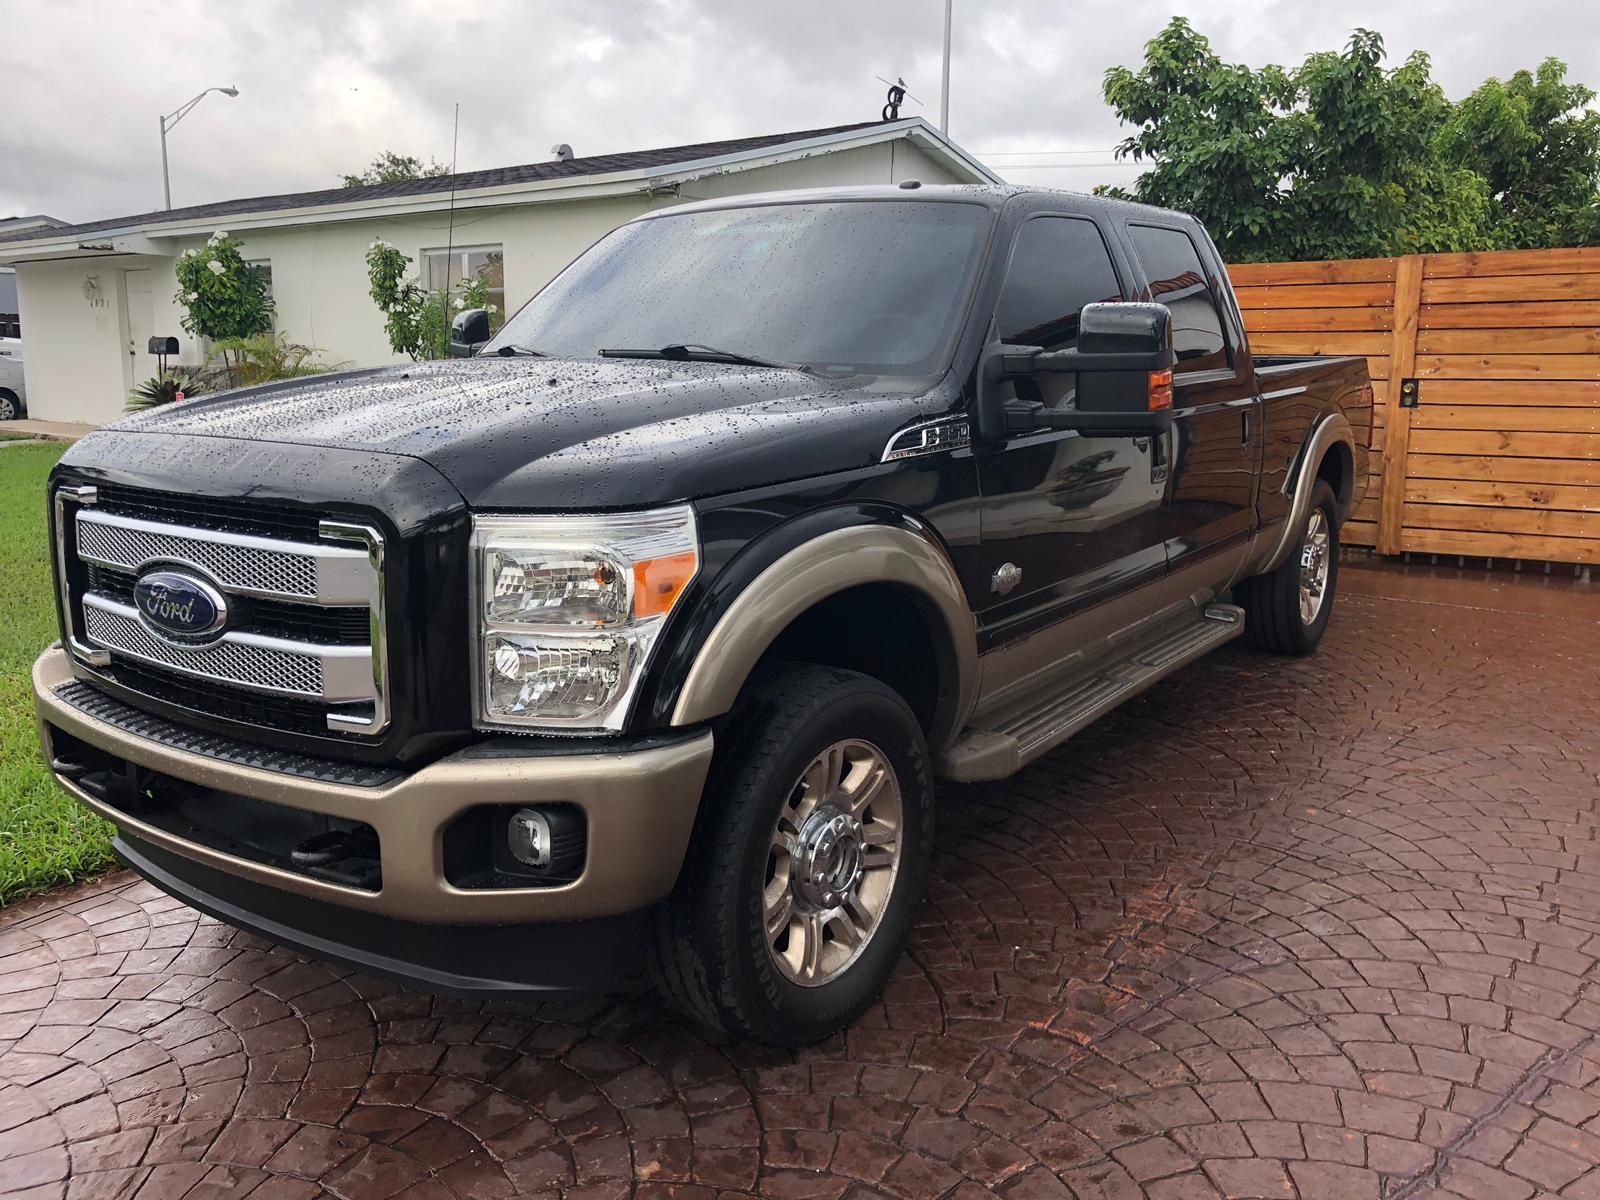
(1315, 929)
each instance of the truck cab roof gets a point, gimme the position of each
(991, 195)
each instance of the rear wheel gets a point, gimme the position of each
(1287, 609)
(10, 406)
(808, 861)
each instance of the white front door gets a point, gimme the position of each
(141, 321)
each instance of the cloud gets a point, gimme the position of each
(325, 87)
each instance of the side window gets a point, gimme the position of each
(1058, 265)
(1178, 280)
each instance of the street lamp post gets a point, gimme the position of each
(171, 119)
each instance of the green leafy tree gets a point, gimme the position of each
(1214, 135)
(1535, 142)
(416, 327)
(390, 167)
(222, 296)
(416, 320)
(1345, 157)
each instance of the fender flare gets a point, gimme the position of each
(821, 567)
(1332, 430)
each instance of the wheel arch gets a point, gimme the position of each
(1329, 447)
(868, 570)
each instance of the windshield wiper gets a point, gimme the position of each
(694, 352)
(511, 351)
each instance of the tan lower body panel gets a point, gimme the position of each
(640, 807)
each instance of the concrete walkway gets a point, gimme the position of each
(1321, 928)
(49, 431)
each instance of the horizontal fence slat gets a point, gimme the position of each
(1501, 545)
(1319, 295)
(1511, 287)
(1575, 393)
(1546, 522)
(1584, 340)
(1321, 343)
(1338, 270)
(1508, 366)
(1503, 470)
(1317, 320)
(1359, 533)
(1526, 418)
(1566, 496)
(1508, 262)
(1510, 315)
(1508, 444)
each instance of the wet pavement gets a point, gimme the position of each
(1315, 928)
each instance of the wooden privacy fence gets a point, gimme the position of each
(1486, 367)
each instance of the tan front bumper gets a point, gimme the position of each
(640, 805)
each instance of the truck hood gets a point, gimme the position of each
(572, 433)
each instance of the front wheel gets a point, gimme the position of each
(10, 406)
(808, 861)
(1287, 609)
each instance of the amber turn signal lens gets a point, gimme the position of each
(1160, 390)
(658, 582)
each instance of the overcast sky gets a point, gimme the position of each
(326, 84)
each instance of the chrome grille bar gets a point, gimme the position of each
(334, 674)
(251, 566)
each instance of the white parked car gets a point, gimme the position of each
(13, 394)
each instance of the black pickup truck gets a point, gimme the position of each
(629, 645)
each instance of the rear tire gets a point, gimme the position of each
(10, 406)
(1287, 609)
(809, 859)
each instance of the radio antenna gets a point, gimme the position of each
(450, 231)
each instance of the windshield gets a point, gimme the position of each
(864, 286)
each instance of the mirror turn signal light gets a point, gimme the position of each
(1160, 393)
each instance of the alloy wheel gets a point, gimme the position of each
(832, 862)
(1314, 555)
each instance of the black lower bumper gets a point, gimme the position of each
(537, 961)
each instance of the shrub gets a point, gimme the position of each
(223, 297)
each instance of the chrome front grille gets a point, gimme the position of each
(341, 574)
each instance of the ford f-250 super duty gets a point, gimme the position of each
(629, 643)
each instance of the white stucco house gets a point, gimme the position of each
(93, 294)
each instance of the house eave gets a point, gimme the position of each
(150, 236)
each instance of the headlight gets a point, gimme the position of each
(567, 611)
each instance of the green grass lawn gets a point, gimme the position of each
(46, 838)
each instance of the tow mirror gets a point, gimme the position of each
(1123, 361)
(468, 332)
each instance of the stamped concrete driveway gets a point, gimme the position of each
(1320, 928)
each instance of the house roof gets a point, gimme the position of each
(627, 163)
(37, 221)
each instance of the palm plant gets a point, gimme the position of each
(164, 389)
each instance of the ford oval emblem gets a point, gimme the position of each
(179, 605)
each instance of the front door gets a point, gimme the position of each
(139, 325)
(1216, 426)
(1066, 521)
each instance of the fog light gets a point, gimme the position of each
(528, 838)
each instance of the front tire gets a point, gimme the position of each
(1287, 609)
(10, 405)
(809, 860)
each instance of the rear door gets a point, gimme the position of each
(1216, 426)
(1067, 522)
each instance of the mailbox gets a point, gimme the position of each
(163, 345)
